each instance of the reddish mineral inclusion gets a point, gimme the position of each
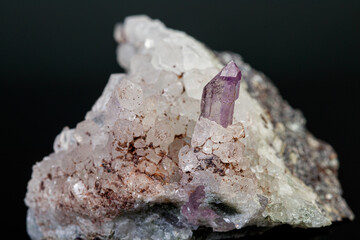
(219, 95)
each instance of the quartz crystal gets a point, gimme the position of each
(152, 161)
(219, 95)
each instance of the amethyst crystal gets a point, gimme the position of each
(197, 213)
(219, 95)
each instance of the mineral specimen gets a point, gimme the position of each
(143, 165)
(219, 95)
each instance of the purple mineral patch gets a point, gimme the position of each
(197, 214)
(219, 95)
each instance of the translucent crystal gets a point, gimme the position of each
(143, 165)
(219, 95)
(197, 214)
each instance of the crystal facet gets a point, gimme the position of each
(142, 165)
(197, 214)
(219, 95)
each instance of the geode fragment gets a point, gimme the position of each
(143, 165)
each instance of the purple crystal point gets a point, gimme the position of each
(219, 95)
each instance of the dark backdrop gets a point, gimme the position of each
(56, 57)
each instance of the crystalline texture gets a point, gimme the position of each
(202, 215)
(219, 95)
(143, 165)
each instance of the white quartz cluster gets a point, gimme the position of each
(143, 148)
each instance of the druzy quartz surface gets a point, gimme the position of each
(175, 145)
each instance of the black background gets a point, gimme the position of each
(56, 57)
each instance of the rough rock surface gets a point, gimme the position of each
(142, 165)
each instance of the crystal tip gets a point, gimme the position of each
(231, 70)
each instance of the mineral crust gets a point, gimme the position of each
(143, 165)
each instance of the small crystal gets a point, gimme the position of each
(219, 95)
(142, 166)
(197, 214)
